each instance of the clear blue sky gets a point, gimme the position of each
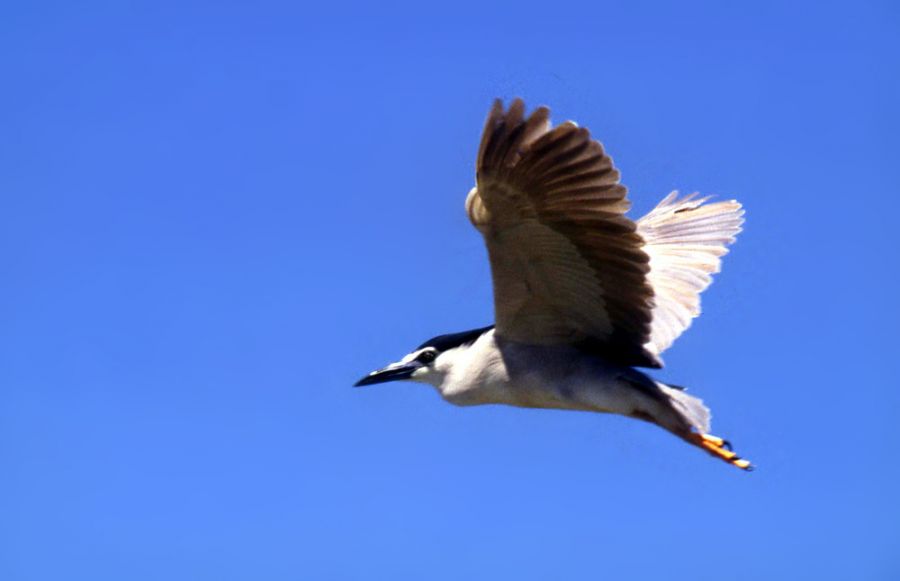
(216, 216)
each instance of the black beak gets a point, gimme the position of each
(390, 373)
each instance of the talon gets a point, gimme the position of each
(745, 464)
(720, 448)
(714, 440)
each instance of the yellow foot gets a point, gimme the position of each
(720, 449)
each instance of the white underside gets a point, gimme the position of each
(558, 377)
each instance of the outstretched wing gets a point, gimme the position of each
(567, 265)
(685, 240)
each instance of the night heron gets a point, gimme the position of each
(582, 294)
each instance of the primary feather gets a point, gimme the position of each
(685, 239)
(567, 264)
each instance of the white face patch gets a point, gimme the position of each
(422, 360)
(412, 356)
(417, 354)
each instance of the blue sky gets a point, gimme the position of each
(216, 216)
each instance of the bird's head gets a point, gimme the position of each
(428, 363)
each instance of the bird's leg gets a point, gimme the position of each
(719, 448)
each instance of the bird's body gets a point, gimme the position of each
(495, 371)
(491, 370)
(582, 294)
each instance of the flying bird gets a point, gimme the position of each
(583, 295)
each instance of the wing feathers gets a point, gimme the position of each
(567, 264)
(685, 240)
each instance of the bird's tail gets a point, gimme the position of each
(697, 416)
(689, 407)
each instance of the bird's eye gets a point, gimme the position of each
(426, 356)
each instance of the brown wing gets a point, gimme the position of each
(567, 264)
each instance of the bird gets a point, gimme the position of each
(584, 297)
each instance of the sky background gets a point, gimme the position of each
(216, 216)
